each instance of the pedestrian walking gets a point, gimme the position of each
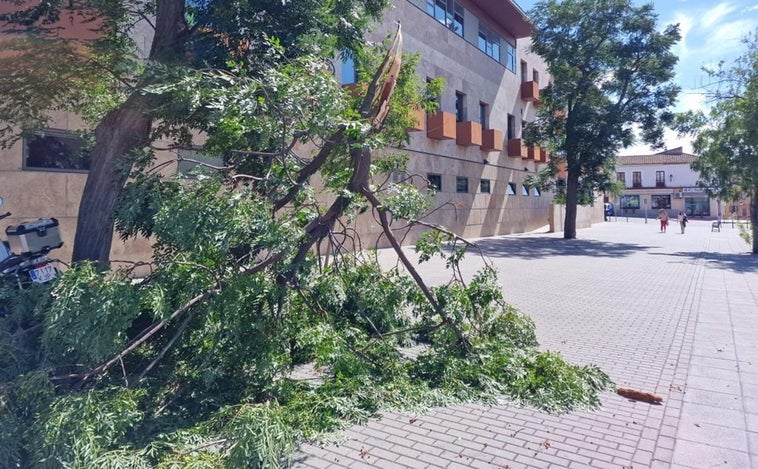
(682, 219)
(664, 218)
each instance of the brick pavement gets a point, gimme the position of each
(667, 313)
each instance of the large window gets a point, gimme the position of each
(55, 150)
(630, 201)
(447, 12)
(460, 106)
(191, 160)
(489, 42)
(660, 179)
(510, 57)
(483, 113)
(660, 201)
(636, 179)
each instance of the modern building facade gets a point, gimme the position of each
(472, 149)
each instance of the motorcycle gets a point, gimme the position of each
(24, 257)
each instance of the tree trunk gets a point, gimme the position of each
(572, 194)
(754, 218)
(123, 130)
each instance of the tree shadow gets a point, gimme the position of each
(739, 262)
(540, 247)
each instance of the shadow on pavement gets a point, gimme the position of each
(537, 247)
(742, 262)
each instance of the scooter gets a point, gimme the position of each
(24, 256)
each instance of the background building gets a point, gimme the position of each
(664, 180)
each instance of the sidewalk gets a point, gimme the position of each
(672, 314)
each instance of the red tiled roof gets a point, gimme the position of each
(673, 156)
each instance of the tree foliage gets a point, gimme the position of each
(727, 137)
(611, 69)
(263, 320)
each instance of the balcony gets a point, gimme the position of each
(419, 120)
(468, 133)
(534, 153)
(516, 148)
(530, 91)
(441, 126)
(492, 140)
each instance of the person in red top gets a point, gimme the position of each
(664, 218)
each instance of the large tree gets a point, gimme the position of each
(727, 137)
(199, 361)
(184, 36)
(611, 68)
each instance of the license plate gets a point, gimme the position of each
(42, 274)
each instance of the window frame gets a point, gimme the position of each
(625, 200)
(511, 189)
(485, 186)
(510, 56)
(621, 176)
(460, 189)
(656, 198)
(525, 190)
(449, 13)
(489, 42)
(60, 134)
(637, 179)
(432, 177)
(460, 106)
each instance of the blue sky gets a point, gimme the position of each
(711, 31)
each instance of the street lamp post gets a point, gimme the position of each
(644, 204)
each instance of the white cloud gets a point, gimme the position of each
(716, 14)
(691, 100)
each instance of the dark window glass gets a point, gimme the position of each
(636, 179)
(483, 115)
(55, 149)
(484, 186)
(525, 190)
(660, 201)
(435, 182)
(630, 201)
(510, 57)
(461, 184)
(511, 189)
(621, 177)
(460, 107)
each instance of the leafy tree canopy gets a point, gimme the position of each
(611, 69)
(727, 137)
(199, 361)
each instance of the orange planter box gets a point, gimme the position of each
(441, 126)
(492, 140)
(534, 153)
(530, 91)
(468, 133)
(516, 148)
(419, 120)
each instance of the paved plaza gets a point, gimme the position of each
(669, 313)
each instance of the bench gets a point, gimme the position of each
(716, 225)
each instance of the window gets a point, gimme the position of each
(660, 201)
(536, 192)
(489, 42)
(636, 179)
(197, 161)
(621, 177)
(460, 106)
(660, 179)
(484, 186)
(511, 126)
(511, 190)
(510, 57)
(630, 201)
(348, 75)
(399, 177)
(525, 190)
(535, 76)
(447, 12)
(483, 112)
(435, 181)
(461, 184)
(523, 71)
(55, 150)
